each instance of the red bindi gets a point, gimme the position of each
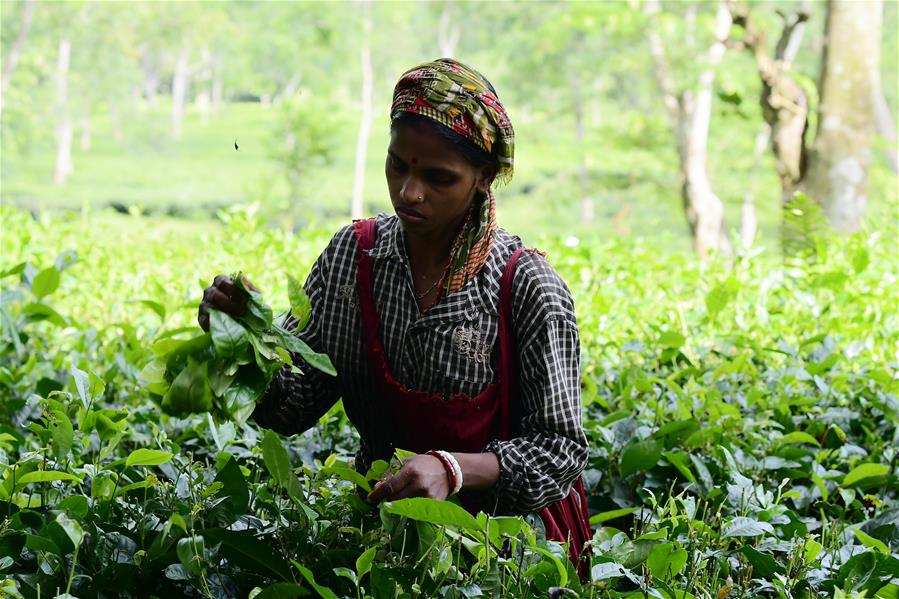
(415, 161)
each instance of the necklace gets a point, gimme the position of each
(423, 294)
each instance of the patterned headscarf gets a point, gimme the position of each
(461, 99)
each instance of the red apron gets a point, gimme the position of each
(462, 423)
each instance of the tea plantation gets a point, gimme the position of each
(742, 418)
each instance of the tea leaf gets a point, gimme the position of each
(870, 542)
(323, 591)
(190, 392)
(611, 515)
(147, 457)
(672, 339)
(746, 527)
(798, 437)
(275, 457)
(640, 456)
(364, 561)
(863, 474)
(46, 282)
(348, 474)
(300, 306)
(763, 565)
(72, 529)
(43, 476)
(228, 336)
(433, 511)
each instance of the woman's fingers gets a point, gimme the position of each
(218, 300)
(391, 487)
(226, 285)
(222, 295)
(410, 490)
(203, 318)
(420, 476)
(383, 489)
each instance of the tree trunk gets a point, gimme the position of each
(204, 74)
(217, 91)
(447, 33)
(785, 53)
(837, 176)
(180, 82)
(689, 115)
(784, 103)
(203, 106)
(703, 208)
(709, 228)
(587, 212)
(748, 217)
(886, 128)
(356, 205)
(596, 104)
(115, 120)
(290, 88)
(85, 140)
(150, 68)
(621, 220)
(64, 166)
(12, 57)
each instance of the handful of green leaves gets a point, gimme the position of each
(227, 370)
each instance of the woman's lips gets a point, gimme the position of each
(410, 215)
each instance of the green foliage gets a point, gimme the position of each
(306, 139)
(227, 370)
(741, 418)
(284, 85)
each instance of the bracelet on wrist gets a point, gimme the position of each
(453, 470)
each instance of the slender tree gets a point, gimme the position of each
(447, 33)
(834, 170)
(689, 113)
(64, 165)
(12, 56)
(356, 206)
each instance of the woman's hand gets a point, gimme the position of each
(225, 296)
(421, 476)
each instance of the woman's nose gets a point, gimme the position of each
(412, 192)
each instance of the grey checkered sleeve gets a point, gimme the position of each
(538, 467)
(295, 402)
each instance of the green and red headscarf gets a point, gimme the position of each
(461, 99)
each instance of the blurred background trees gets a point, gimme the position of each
(632, 118)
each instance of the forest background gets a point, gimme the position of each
(715, 181)
(182, 109)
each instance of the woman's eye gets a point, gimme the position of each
(395, 164)
(442, 180)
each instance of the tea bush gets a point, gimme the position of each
(742, 419)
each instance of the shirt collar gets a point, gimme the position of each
(479, 294)
(390, 242)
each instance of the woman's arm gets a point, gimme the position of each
(293, 402)
(538, 466)
(424, 475)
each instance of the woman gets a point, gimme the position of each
(448, 339)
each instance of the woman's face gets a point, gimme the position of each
(431, 184)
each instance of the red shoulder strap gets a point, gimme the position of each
(366, 231)
(507, 358)
(505, 289)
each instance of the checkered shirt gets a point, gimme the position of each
(451, 348)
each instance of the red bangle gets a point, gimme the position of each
(450, 471)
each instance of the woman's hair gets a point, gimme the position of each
(469, 150)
